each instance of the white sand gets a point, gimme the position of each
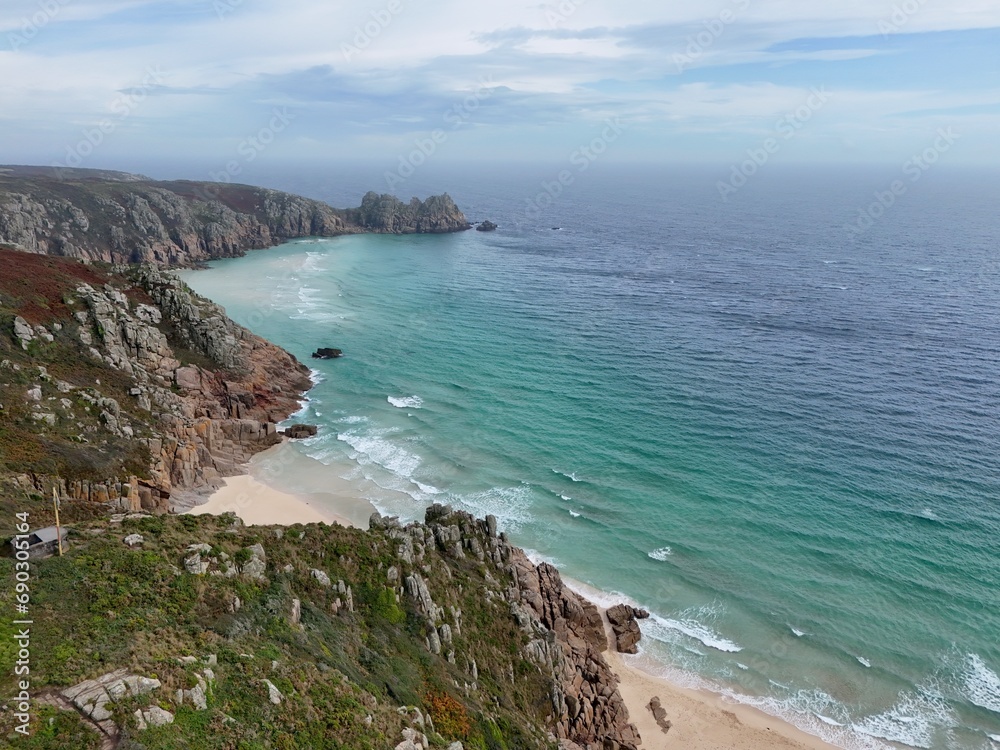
(257, 504)
(702, 720)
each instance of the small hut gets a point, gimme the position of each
(44, 542)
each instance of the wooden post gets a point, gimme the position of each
(55, 504)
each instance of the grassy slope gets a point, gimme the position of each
(105, 606)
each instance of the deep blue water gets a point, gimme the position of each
(777, 434)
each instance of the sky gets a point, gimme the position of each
(97, 83)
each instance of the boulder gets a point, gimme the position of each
(624, 622)
(486, 226)
(256, 566)
(327, 353)
(301, 431)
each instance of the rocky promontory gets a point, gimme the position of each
(122, 218)
(122, 386)
(386, 213)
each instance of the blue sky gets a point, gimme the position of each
(101, 82)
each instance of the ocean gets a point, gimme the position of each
(767, 420)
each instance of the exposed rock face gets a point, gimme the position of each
(386, 213)
(590, 710)
(129, 218)
(566, 631)
(95, 698)
(199, 425)
(624, 622)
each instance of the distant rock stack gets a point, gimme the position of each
(387, 213)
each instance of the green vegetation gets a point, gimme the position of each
(106, 606)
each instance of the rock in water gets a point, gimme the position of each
(486, 226)
(624, 621)
(327, 353)
(301, 431)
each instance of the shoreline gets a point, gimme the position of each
(701, 719)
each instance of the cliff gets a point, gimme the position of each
(196, 631)
(123, 386)
(122, 218)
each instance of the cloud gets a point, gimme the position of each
(364, 76)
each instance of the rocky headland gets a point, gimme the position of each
(117, 217)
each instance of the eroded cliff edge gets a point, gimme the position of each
(122, 386)
(124, 218)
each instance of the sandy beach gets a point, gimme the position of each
(257, 504)
(700, 720)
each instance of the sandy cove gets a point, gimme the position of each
(700, 720)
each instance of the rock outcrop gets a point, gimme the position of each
(133, 328)
(566, 631)
(625, 625)
(386, 213)
(327, 353)
(115, 217)
(486, 226)
(301, 431)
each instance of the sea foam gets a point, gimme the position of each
(692, 628)
(406, 402)
(982, 684)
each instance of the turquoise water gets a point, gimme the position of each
(778, 437)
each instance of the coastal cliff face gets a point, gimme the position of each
(128, 363)
(122, 218)
(197, 631)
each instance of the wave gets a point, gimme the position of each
(694, 629)
(574, 514)
(406, 402)
(863, 662)
(982, 684)
(828, 721)
(661, 554)
(798, 633)
(376, 449)
(571, 476)
(914, 720)
(510, 505)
